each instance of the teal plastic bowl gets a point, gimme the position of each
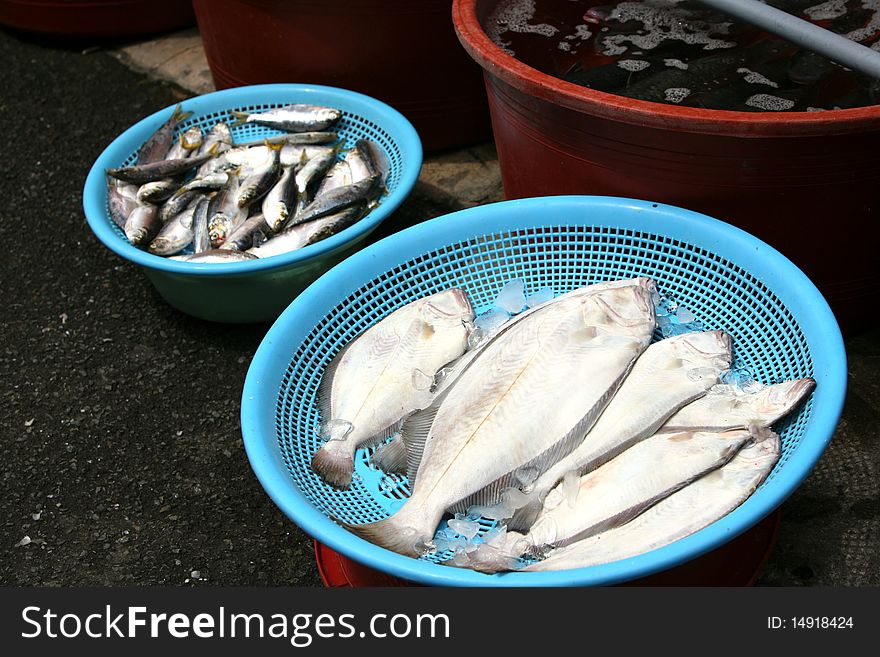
(781, 327)
(257, 290)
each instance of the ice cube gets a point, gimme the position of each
(421, 381)
(464, 527)
(684, 315)
(512, 297)
(543, 295)
(492, 320)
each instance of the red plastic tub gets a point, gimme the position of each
(97, 18)
(403, 53)
(736, 563)
(806, 182)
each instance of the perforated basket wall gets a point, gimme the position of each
(363, 117)
(563, 243)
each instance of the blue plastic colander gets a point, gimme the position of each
(257, 290)
(781, 326)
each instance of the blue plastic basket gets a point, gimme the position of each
(781, 326)
(257, 290)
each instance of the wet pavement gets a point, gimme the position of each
(122, 460)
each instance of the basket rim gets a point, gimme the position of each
(380, 113)
(788, 282)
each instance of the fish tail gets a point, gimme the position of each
(334, 463)
(274, 146)
(407, 532)
(179, 115)
(240, 118)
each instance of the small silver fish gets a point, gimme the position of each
(337, 199)
(144, 173)
(216, 255)
(313, 169)
(142, 224)
(259, 181)
(176, 235)
(295, 139)
(242, 237)
(293, 118)
(302, 235)
(175, 205)
(120, 202)
(201, 240)
(280, 202)
(155, 148)
(157, 191)
(188, 144)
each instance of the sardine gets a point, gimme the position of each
(261, 179)
(519, 406)
(670, 374)
(216, 255)
(295, 139)
(313, 170)
(177, 234)
(155, 148)
(187, 145)
(383, 375)
(208, 182)
(142, 224)
(725, 407)
(697, 505)
(618, 491)
(295, 156)
(121, 201)
(293, 118)
(224, 215)
(302, 235)
(144, 173)
(201, 240)
(241, 238)
(280, 202)
(336, 200)
(156, 192)
(219, 141)
(175, 205)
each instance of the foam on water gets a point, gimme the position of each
(633, 64)
(515, 16)
(675, 63)
(873, 25)
(663, 20)
(827, 10)
(769, 103)
(753, 77)
(676, 94)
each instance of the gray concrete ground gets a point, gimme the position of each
(122, 461)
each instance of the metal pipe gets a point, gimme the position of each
(804, 33)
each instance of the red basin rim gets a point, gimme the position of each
(510, 70)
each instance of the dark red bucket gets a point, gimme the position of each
(97, 18)
(805, 182)
(736, 563)
(403, 53)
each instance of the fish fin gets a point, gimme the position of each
(334, 463)
(391, 457)
(241, 118)
(408, 532)
(414, 432)
(523, 518)
(322, 397)
(180, 115)
(273, 146)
